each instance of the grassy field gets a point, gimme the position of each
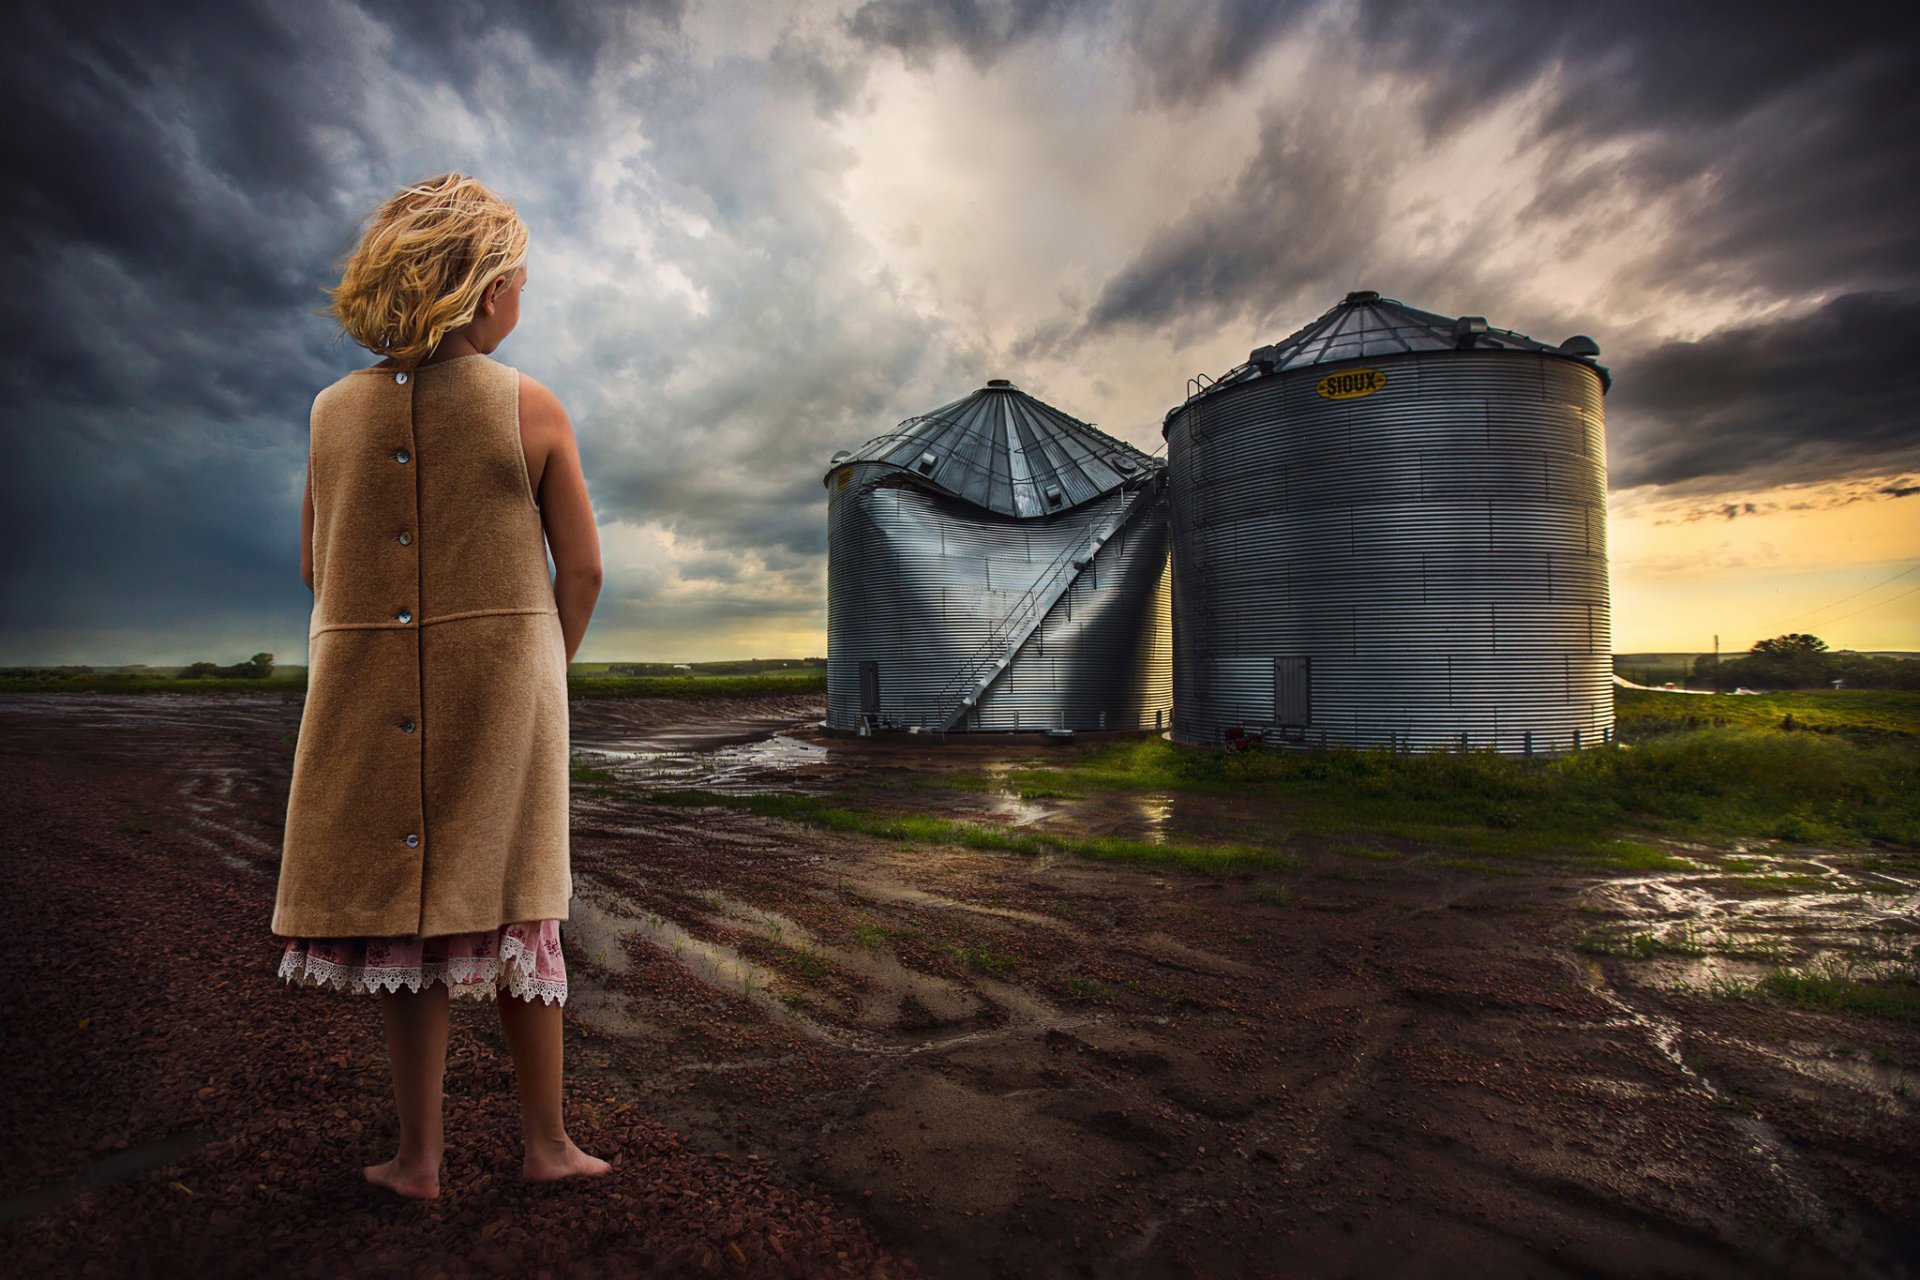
(1729, 769)
(293, 681)
(765, 684)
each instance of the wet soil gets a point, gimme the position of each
(820, 1053)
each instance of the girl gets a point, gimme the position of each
(426, 850)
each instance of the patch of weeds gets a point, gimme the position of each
(1237, 936)
(1737, 864)
(1643, 945)
(959, 781)
(1760, 946)
(1778, 882)
(1833, 983)
(1635, 855)
(868, 934)
(1082, 985)
(1038, 791)
(1800, 827)
(1271, 893)
(808, 963)
(983, 959)
(590, 773)
(1636, 946)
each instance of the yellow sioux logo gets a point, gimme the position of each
(1352, 384)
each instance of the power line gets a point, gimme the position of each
(1855, 596)
(1870, 608)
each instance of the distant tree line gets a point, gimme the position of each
(740, 667)
(1797, 661)
(258, 667)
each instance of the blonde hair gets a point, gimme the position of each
(422, 265)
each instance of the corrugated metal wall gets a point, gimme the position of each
(1436, 551)
(917, 581)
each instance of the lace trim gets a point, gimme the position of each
(469, 977)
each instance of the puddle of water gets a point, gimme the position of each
(1770, 908)
(765, 765)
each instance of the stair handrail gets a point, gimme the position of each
(996, 652)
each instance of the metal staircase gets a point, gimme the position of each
(982, 667)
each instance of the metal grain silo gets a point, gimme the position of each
(996, 565)
(1389, 530)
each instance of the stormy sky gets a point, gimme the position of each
(762, 233)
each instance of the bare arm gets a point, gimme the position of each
(553, 467)
(306, 530)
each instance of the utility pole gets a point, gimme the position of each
(1716, 664)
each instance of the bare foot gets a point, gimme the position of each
(420, 1182)
(545, 1162)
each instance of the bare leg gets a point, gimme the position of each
(417, 1048)
(533, 1028)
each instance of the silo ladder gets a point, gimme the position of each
(995, 655)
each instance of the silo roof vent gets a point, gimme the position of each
(1001, 382)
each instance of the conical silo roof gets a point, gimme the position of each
(1005, 451)
(1364, 326)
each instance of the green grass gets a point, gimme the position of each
(765, 684)
(1643, 945)
(1779, 882)
(1273, 895)
(923, 828)
(1858, 712)
(1823, 788)
(981, 959)
(1833, 983)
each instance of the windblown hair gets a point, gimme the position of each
(421, 265)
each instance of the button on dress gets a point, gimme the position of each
(430, 776)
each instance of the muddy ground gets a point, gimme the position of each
(820, 1053)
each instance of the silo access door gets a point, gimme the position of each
(869, 688)
(1293, 692)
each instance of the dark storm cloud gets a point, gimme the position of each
(1782, 139)
(181, 180)
(1824, 396)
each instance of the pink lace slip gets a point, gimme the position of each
(523, 959)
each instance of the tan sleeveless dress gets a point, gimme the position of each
(429, 789)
